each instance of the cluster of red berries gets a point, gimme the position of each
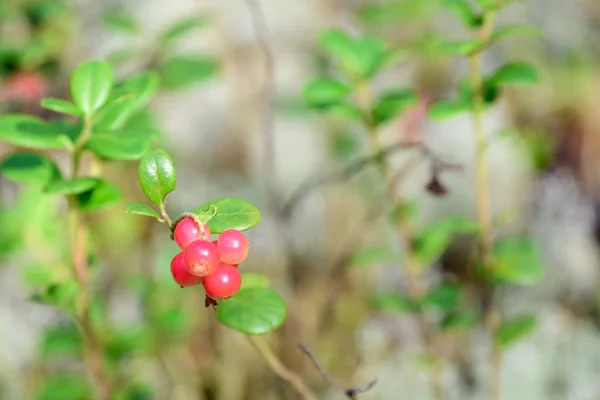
(214, 264)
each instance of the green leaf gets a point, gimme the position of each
(392, 104)
(517, 260)
(514, 73)
(431, 241)
(142, 86)
(101, 196)
(117, 147)
(157, 175)
(64, 387)
(514, 329)
(459, 320)
(181, 28)
(121, 22)
(135, 207)
(25, 167)
(62, 340)
(372, 256)
(60, 106)
(180, 72)
(443, 297)
(254, 280)
(514, 30)
(253, 311)
(339, 44)
(359, 57)
(29, 131)
(67, 187)
(404, 211)
(391, 302)
(91, 84)
(323, 92)
(444, 109)
(129, 99)
(463, 11)
(463, 48)
(232, 213)
(343, 110)
(63, 294)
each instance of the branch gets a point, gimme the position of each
(357, 166)
(351, 392)
(281, 370)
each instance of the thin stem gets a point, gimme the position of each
(411, 264)
(78, 242)
(165, 217)
(281, 370)
(484, 215)
(350, 392)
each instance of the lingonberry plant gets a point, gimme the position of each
(94, 132)
(250, 308)
(346, 92)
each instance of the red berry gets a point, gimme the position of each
(29, 86)
(181, 274)
(224, 283)
(188, 231)
(233, 247)
(201, 258)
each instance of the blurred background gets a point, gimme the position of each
(324, 253)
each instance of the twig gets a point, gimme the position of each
(351, 392)
(356, 167)
(267, 92)
(484, 215)
(93, 354)
(411, 263)
(281, 370)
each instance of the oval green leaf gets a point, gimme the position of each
(181, 72)
(253, 311)
(445, 109)
(181, 28)
(91, 84)
(138, 208)
(514, 73)
(232, 213)
(127, 100)
(117, 147)
(392, 105)
(157, 175)
(32, 132)
(75, 186)
(60, 106)
(101, 196)
(517, 260)
(431, 241)
(323, 91)
(515, 329)
(25, 167)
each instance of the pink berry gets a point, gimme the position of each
(188, 231)
(233, 247)
(181, 274)
(224, 283)
(201, 258)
